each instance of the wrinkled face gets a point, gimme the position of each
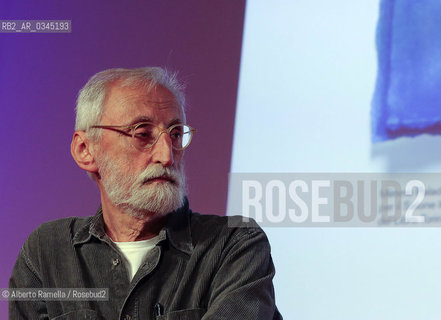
(141, 182)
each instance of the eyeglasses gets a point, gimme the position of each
(145, 134)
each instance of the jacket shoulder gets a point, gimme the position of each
(229, 221)
(229, 228)
(57, 231)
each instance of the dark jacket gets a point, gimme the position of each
(204, 267)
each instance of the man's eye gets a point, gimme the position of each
(176, 133)
(142, 135)
(144, 132)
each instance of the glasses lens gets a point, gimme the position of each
(144, 135)
(180, 135)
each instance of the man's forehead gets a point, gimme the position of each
(145, 99)
(126, 101)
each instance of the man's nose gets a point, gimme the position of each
(163, 150)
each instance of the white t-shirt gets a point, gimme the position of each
(135, 252)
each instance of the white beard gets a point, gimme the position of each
(135, 195)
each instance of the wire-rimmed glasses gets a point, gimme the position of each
(146, 134)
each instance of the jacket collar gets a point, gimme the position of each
(177, 229)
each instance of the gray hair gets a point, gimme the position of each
(90, 102)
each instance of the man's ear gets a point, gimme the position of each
(80, 149)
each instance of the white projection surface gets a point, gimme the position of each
(307, 77)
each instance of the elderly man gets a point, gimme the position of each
(158, 259)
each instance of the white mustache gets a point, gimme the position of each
(158, 171)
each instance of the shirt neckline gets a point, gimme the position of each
(177, 229)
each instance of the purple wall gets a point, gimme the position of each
(40, 75)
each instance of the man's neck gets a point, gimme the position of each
(122, 227)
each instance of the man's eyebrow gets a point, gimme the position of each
(148, 119)
(141, 119)
(175, 121)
